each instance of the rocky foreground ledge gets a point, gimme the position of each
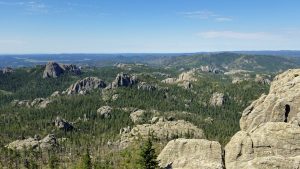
(269, 136)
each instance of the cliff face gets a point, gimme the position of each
(280, 105)
(269, 136)
(54, 70)
(270, 131)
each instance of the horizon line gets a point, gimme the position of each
(115, 53)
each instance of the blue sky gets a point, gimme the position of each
(125, 26)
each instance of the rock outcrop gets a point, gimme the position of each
(210, 69)
(85, 85)
(36, 103)
(187, 76)
(270, 145)
(105, 111)
(147, 87)
(63, 124)
(54, 70)
(262, 80)
(280, 105)
(123, 80)
(170, 81)
(191, 154)
(162, 129)
(184, 80)
(217, 99)
(48, 142)
(7, 70)
(270, 131)
(137, 116)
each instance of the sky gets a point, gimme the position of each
(147, 26)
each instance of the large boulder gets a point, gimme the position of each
(137, 116)
(217, 99)
(188, 76)
(162, 130)
(36, 103)
(210, 69)
(54, 70)
(270, 145)
(40, 102)
(169, 80)
(46, 143)
(105, 111)
(123, 80)
(147, 87)
(191, 154)
(85, 85)
(280, 105)
(63, 124)
(262, 79)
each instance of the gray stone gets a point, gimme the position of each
(191, 154)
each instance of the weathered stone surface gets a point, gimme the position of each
(162, 129)
(280, 105)
(123, 80)
(21, 103)
(137, 116)
(217, 99)
(48, 142)
(270, 145)
(191, 154)
(210, 69)
(7, 70)
(187, 76)
(54, 70)
(186, 85)
(55, 94)
(85, 85)
(184, 80)
(40, 102)
(169, 81)
(63, 124)
(147, 87)
(105, 111)
(262, 79)
(37, 103)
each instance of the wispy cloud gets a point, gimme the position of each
(223, 19)
(205, 14)
(33, 6)
(236, 35)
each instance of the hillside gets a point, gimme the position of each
(82, 114)
(233, 61)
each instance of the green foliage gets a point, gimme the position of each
(53, 162)
(86, 162)
(148, 156)
(96, 131)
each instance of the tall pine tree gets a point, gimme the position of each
(148, 156)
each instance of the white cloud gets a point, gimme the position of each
(33, 6)
(223, 19)
(236, 35)
(199, 14)
(204, 14)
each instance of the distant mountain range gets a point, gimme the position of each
(270, 61)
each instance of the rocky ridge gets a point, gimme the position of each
(54, 70)
(85, 85)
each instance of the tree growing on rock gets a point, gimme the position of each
(148, 156)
